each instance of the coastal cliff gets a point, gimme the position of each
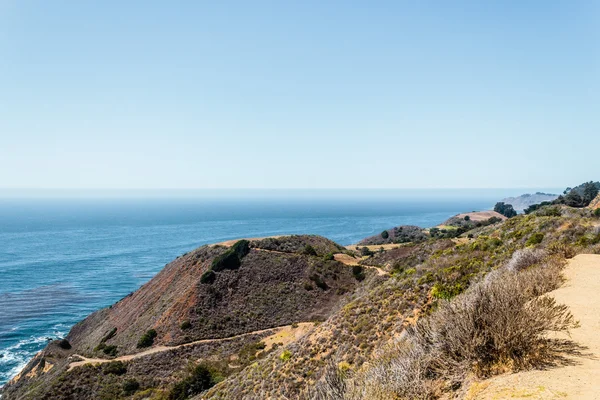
(303, 317)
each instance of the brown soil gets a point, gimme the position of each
(481, 215)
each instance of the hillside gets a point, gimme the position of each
(523, 201)
(301, 317)
(276, 282)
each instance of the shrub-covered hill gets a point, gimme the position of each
(259, 289)
(219, 291)
(214, 292)
(398, 234)
(422, 276)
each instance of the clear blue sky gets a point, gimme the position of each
(307, 94)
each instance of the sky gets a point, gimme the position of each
(298, 94)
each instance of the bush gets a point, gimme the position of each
(597, 212)
(505, 209)
(285, 356)
(467, 218)
(147, 339)
(200, 379)
(130, 386)
(500, 324)
(328, 257)
(109, 335)
(525, 258)
(319, 281)
(309, 250)
(366, 252)
(64, 344)
(227, 260)
(385, 234)
(110, 350)
(231, 259)
(241, 248)
(534, 239)
(358, 272)
(208, 277)
(185, 325)
(114, 368)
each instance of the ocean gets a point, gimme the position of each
(62, 258)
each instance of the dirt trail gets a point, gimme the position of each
(302, 327)
(581, 292)
(348, 260)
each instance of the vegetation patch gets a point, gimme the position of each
(200, 379)
(147, 339)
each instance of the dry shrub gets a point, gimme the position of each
(561, 249)
(499, 324)
(525, 258)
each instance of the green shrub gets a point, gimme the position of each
(446, 291)
(328, 257)
(366, 252)
(385, 234)
(285, 356)
(241, 248)
(227, 260)
(309, 250)
(553, 211)
(147, 339)
(534, 239)
(114, 368)
(248, 352)
(185, 325)
(231, 259)
(110, 350)
(358, 272)
(109, 335)
(200, 379)
(319, 281)
(208, 277)
(130, 386)
(64, 344)
(505, 209)
(597, 212)
(467, 218)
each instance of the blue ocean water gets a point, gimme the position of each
(63, 258)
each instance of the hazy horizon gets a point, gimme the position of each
(7, 193)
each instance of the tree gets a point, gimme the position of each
(505, 209)
(573, 199)
(590, 191)
(385, 234)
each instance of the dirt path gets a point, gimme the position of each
(279, 333)
(348, 260)
(581, 293)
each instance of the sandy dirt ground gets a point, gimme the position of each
(482, 215)
(581, 379)
(229, 243)
(374, 247)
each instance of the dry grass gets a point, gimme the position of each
(499, 324)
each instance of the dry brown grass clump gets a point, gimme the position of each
(499, 324)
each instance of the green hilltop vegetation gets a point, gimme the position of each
(414, 320)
